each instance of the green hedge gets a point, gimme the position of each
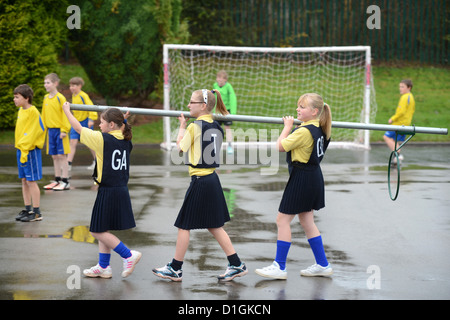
(31, 34)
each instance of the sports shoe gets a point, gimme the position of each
(273, 271)
(31, 216)
(167, 272)
(97, 271)
(92, 166)
(317, 270)
(21, 214)
(130, 263)
(51, 185)
(62, 186)
(233, 272)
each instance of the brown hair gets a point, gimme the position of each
(324, 111)
(211, 94)
(408, 83)
(116, 116)
(25, 91)
(77, 81)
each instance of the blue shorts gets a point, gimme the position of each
(75, 135)
(391, 134)
(55, 143)
(32, 169)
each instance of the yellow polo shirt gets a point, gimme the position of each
(300, 142)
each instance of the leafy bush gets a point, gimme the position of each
(119, 43)
(31, 34)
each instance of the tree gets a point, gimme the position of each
(119, 43)
(31, 34)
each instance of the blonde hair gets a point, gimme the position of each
(222, 74)
(313, 100)
(211, 100)
(53, 77)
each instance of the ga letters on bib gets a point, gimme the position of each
(116, 162)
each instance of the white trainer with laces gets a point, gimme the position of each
(97, 271)
(130, 263)
(317, 270)
(273, 271)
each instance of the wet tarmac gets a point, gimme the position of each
(379, 248)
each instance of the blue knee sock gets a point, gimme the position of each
(122, 250)
(103, 259)
(282, 252)
(318, 250)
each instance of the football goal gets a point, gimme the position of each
(269, 81)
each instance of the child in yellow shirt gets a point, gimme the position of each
(403, 114)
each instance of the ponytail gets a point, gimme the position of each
(127, 133)
(220, 106)
(325, 120)
(209, 97)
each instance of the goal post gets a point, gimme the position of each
(268, 82)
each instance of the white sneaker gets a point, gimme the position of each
(97, 271)
(92, 166)
(273, 271)
(51, 185)
(62, 186)
(130, 263)
(317, 270)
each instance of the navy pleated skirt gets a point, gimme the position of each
(204, 204)
(304, 191)
(112, 210)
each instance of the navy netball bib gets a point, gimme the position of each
(116, 162)
(320, 145)
(211, 142)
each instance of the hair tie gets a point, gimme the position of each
(205, 95)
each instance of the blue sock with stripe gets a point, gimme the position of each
(318, 250)
(122, 250)
(282, 252)
(103, 259)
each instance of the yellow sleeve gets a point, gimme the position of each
(401, 113)
(33, 135)
(300, 137)
(65, 124)
(92, 139)
(191, 143)
(93, 115)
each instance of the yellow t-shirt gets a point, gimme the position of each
(191, 143)
(29, 133)
(53, 115)
(83, 98)
(94, 141)
(405, 110)
(300, 142)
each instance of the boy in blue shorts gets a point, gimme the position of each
(58, 127)
(403, 115)
(29, 140)
(86, 118)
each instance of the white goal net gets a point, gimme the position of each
(269, 81)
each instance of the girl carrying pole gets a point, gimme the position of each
(304, 192)
(204, 205)
(112, 209)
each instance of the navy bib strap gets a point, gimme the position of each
(211, 142)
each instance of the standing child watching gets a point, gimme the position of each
(204, 205)
(58, 127)
(29, 140)
(229, 100)
(304, 192)
(402, 117)
(86, 118)
(112, 209)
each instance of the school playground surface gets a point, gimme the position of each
(379, 248)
